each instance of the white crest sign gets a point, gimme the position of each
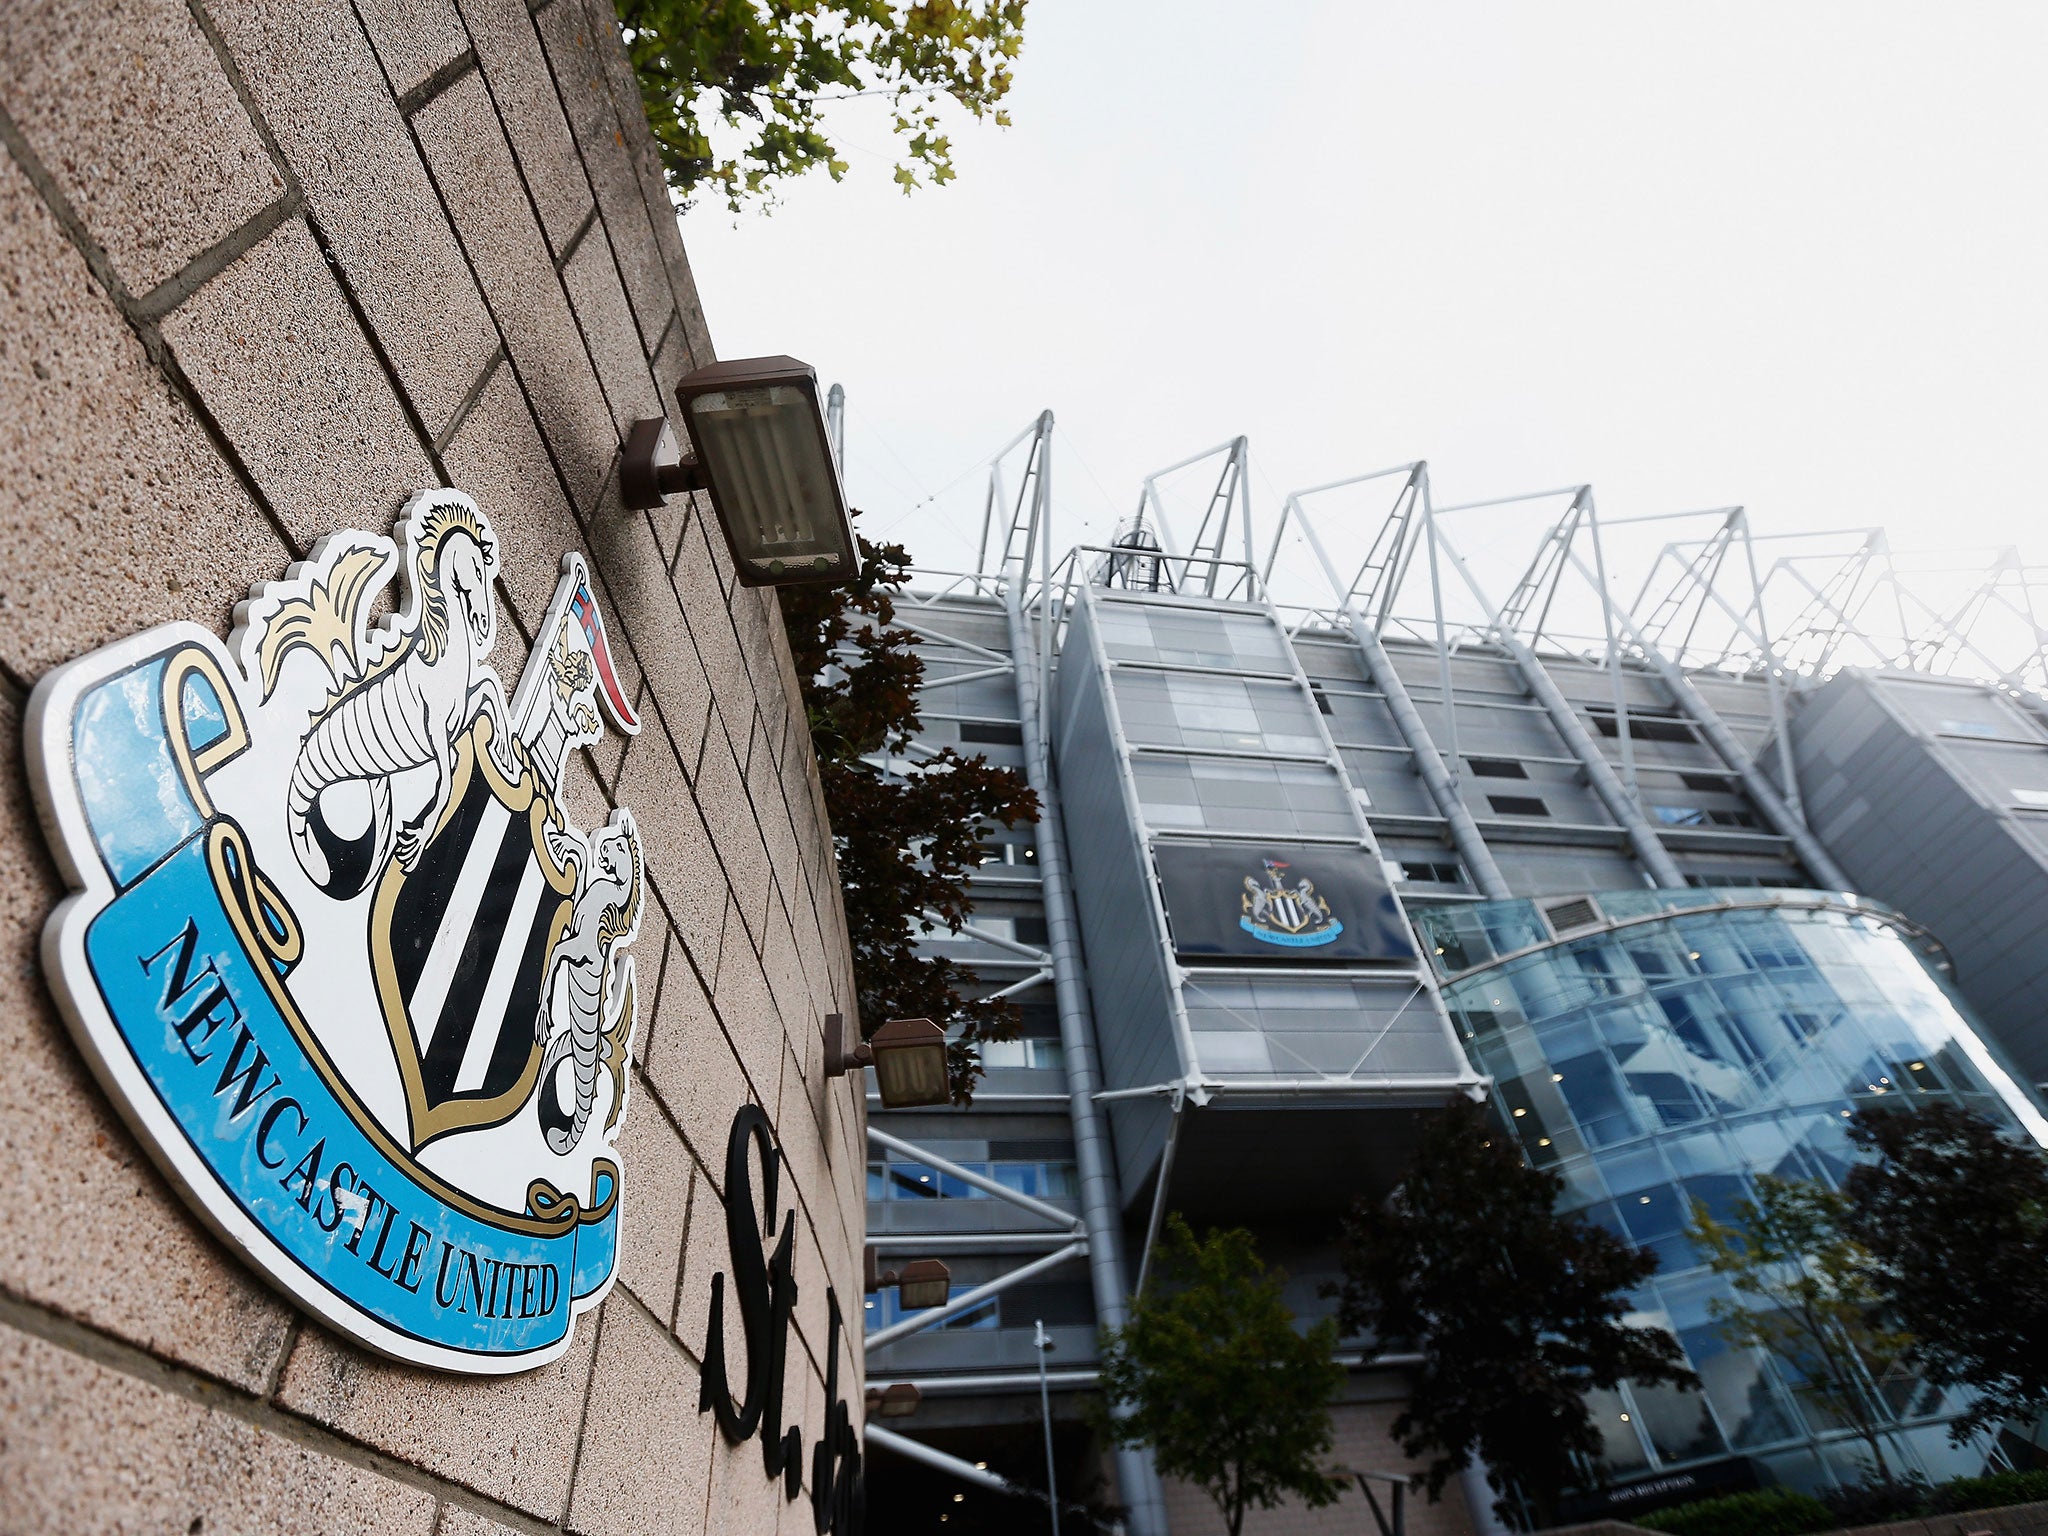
(335, 950)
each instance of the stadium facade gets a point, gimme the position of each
(1322, 854)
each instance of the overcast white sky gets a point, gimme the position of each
(1788, 255)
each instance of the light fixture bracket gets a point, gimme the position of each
(652, 467)
(838, 1059)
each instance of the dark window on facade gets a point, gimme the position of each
(1322, 703)
(1051, 1178)
(1056, 1303)
(1712, 783)
(1032, 930)
(992, 732)
(1432, 873)
(1039, 1021)
(1693, 816)
(1643, 727)
(1497, 768)
(1517, 805)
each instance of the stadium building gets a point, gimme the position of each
(1381, 803)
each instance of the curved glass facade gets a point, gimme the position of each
(1666, 1047)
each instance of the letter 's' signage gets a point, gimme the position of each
(335, 950)
(764, 1290)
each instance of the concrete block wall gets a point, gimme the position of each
(1364, 1440)
(266, 268)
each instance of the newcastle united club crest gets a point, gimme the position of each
(1292, 915)
(336, 950)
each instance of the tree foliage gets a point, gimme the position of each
(763, 68)
(907, 835)
(1954, 1216)
(1517, 1310)
(1211, 1372)
(1803, 1291)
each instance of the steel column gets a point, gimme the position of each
(1649, 849)
(1789, 823)
(1101, 1205)
(932, 1456)
(1379, 666)
(1761, 790)
(1429, 763)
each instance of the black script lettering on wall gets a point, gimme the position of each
(764, 1289)
(838, 1492)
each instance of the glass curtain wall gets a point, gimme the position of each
(1695, 1040)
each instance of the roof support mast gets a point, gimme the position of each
(1437, 777)
(1030, 532)
(1648, 848)
(1710, 725)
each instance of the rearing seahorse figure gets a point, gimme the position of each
(409, 708)
(586, 987)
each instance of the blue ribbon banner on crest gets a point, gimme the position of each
(192, 957)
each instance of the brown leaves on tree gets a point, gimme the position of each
(906, 839)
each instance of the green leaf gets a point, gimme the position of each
(768, 74)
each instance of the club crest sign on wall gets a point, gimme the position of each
(1291, 915)
(335, 949)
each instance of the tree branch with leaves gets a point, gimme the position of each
(1517, 1311)
(760, 73)
(1954, 1215)
(907, 834)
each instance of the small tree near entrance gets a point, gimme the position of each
(1517, 1311)
(1212, 1373)
(1804, 1293)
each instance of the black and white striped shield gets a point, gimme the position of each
(460, 947)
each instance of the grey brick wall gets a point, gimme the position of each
(1364, 1441)
(266, 268)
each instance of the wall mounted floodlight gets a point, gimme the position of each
(919, 1284)
(910, 1064)
(893, 1402)
(762, 450)
(908, 1055)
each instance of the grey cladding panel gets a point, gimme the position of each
(1354, 718)
(1586, 684)
(1559, 787)
(1390, 784)
(1535, 871)
(1334, 659)
(1127, 979)
(1926, 845)
(1495, 732)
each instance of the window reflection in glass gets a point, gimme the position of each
(1621, 1444)
(1664, 1064)
(1742, 1388)
(884, 1308)
(917, 1181)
